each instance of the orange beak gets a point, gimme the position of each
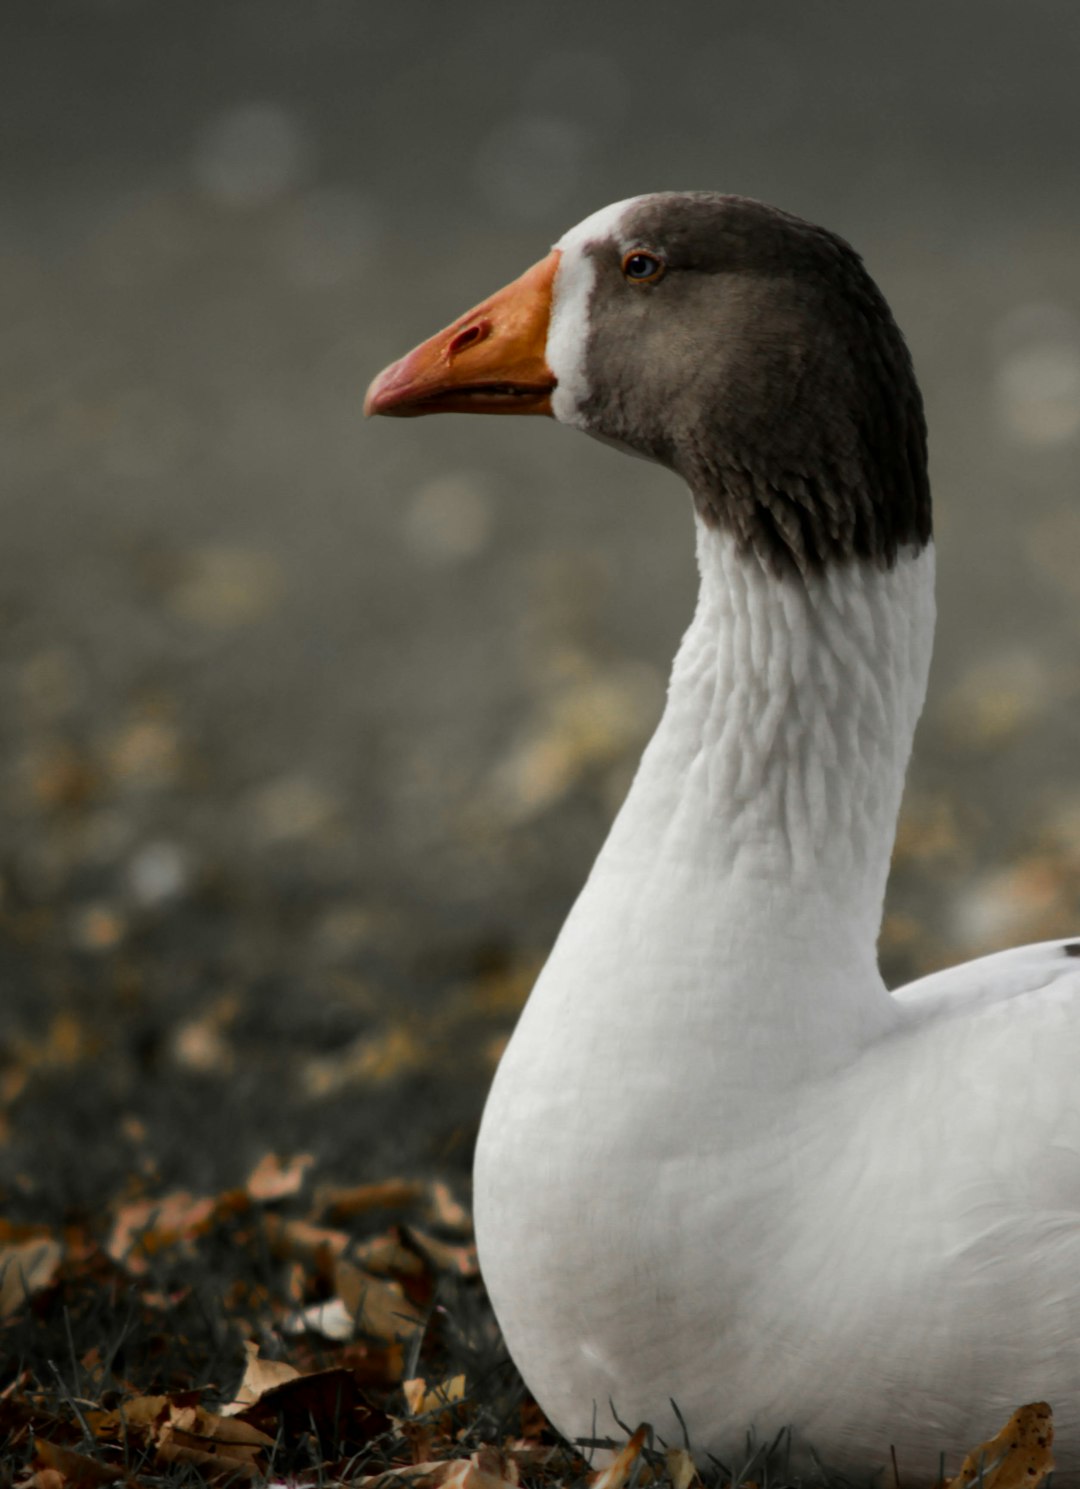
(490, 361)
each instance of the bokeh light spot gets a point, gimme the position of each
(251, 154)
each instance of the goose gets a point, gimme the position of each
(725, 1180)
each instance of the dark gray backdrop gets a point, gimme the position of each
(310, 728)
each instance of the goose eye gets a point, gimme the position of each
(642, 268)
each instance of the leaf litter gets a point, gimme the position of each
(181, 1340)
(293, 1334)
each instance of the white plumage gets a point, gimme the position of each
(721, 1164)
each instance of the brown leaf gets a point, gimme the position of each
(374, 1366)
(447, 1211)
(211, 1426)
(1020, 1454)
(535, 1456)
(533, 1421)
(194, 1435)
(272, 1179)
(202, 1043)
(620, 1467)
(309, 1243)
(73, 1470)
(67, 1042)
(182, 1431)
(339, 1204)
(225, 1463)
(147, 1226)
(389, 1255)
(421, 1474)
(682, 1470)
(370, 1060)
(422, 1398)
(45, 1478)
(259, 1377)
(26, 1418)
(26, 1267)
(139, 1416)
(379, 1307)
(441, 1256)
(486, 1469)
(330, 1399)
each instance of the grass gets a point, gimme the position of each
(102, 1329)
(155, 1050)
(124, 1342)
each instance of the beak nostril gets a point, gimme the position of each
(491, 360)
(466, 337)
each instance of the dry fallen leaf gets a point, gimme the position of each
(682, 1470)
(202, 1043)
(26, 1267)
(180, 1431)
(259, 1376)
(1020, 1455)
(536, 1455)
(488, 1468)
(139, 1415)
(46, 1478)
(335, 1395)
(147, 1226)
(330, 1400)
(615, 1475)
(447, 1211)
(389, 1256)
(339, 1204)
(68, 1469)
(442, 1257)
(331, 1319)
(314, 1244)
(422, 1398)
(192, 1434)
(379, 1307)
(273, 1179)
(373, 1059)
(67, 1042)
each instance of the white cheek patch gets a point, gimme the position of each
(568, 333)
(568, 328)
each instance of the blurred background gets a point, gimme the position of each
(310, 728)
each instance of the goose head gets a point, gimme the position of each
(746, 350)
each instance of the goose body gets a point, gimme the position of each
(721, 1165)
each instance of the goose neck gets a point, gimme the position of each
(774, 779)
